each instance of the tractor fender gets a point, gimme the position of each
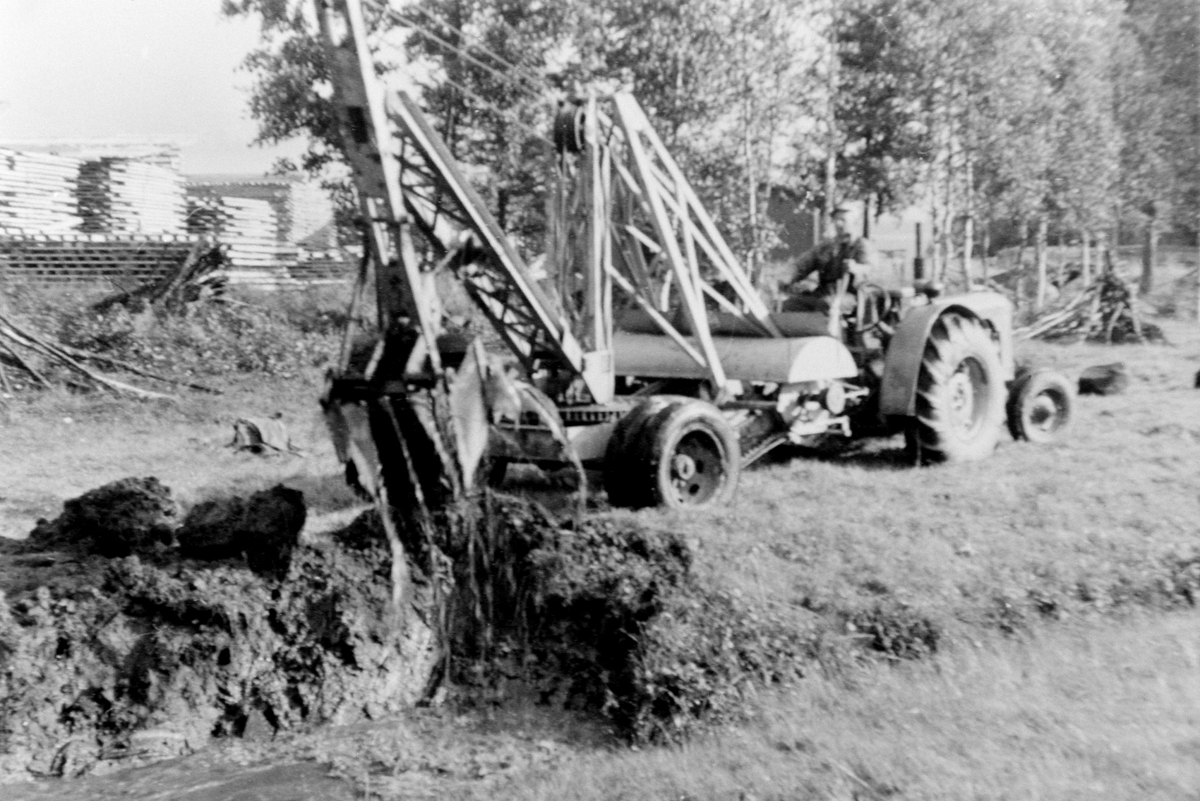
(902, 362)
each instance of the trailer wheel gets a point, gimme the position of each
(687, 455)
(960, 394)
(619, 482)
(1040, 406)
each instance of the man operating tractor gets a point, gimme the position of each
(840, 263)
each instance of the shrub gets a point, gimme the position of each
(208, 338)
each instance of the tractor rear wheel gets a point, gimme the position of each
(960, 393)
(1040, 406)
(684, 455)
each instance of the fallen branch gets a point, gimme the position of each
(26, 366)
(123, 365)
(16, 336)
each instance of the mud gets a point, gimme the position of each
(230, 626)
(110, 660)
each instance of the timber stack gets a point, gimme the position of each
(108, 214)
(37, 192)
(122, 196)
(248, 227)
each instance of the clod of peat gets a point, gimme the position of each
(133, 515)
(265, 527)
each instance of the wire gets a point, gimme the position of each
(530, 86)
(537, 82)
(512, 116)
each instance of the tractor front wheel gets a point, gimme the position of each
(960, 393)
(1040, 406)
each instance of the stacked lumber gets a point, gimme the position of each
(248, 229)
(37, 192)
(251, 232)
(123, 196)
(163, 153)
(1105, 311)
(303, 211)
(308, 217)
(36, 258)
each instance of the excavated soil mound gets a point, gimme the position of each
(108, 660)
(228, 624)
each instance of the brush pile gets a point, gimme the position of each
(1105, 311)
(200, 275)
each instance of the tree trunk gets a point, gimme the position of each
(752, 187)
(1085, 258)
(1022, 240)
(984, 257)
(968, 248)
(1149, 256)
(969, 223)
(935, 248)
(1060, 264)
(945, 241)
(1040, 249)
(831, 78)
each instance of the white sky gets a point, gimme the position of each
(132, 69)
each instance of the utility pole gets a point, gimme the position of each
(1196, 142)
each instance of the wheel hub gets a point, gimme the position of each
(683, 466)
(695, 468)
(962, 397)
(1044, 413)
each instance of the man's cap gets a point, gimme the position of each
(843, 207)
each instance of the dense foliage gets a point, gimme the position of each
(1068, 119)
(209, 339)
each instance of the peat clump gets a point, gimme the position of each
(265, 528)
(128, 516)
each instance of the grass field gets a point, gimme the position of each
(1060, 580)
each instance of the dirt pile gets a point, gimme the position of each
(226, 624)
(111, 660)
(604, 613)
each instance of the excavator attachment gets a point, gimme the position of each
(410, 413)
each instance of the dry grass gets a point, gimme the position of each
(1093, 514)
(57, 447)
(1097, 711)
